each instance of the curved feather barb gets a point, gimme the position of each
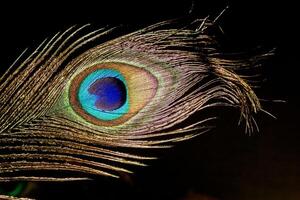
(83, 114)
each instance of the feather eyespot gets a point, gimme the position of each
(109, 94)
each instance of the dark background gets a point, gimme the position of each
(225, 163)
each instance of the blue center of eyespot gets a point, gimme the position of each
(103, 94)
(110, 92)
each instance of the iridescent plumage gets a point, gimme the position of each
(53, 118)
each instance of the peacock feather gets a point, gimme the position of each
(88, 103)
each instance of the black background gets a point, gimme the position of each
(226, 163)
